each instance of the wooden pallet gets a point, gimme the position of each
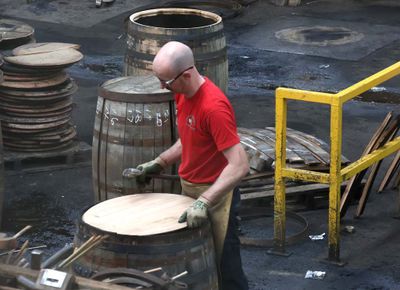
(77, 154)
(299, 195)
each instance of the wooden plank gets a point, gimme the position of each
(253, 189)
(1, 178)
(394, 165)
(370, 181)
(367, 188)
(397, 181)
(301, 189)
(103, 150)
(294, 154)
(344, 202)
(260, 137)
(279, 2)
(157, 130)
(319, 143)
(292, 146)
(115, 148)
(294, 2)
(261, 155)
(316, 151)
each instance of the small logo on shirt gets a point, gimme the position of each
(191, 122)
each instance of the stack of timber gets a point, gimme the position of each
(36, 97)
(386, 132)
(303, 151)
(14, 33)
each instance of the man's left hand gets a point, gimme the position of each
(197, 214)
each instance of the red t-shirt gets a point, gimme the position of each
(207, 126)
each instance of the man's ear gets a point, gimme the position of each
(187, 75)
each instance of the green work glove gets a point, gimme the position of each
(196, 214)
(154, 166)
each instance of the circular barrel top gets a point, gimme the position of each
(153, 18)
(61, 57)
(32, 48)
(143, 89)
(12, 29)
(139, 214)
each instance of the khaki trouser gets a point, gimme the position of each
(219, 214)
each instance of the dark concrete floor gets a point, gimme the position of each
(258, 62)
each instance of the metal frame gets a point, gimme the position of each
(336, 174)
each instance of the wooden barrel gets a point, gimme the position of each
(1, 177)
(143, 233)
(202, 31)
(134, 123)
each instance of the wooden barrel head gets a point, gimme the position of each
(143, 89)
(37, 84)
(12, 29)
(62, 57)
(139, 214)
(33, 48)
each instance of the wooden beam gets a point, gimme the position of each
(353, 182)
(300, 189)
(390, 172)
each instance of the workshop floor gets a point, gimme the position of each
(258, 63)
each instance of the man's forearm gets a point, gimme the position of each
(229, 178)
(236, 169)
(172, 154)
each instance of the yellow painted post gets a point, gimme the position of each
(335, 181)
(336, 174)
(280, 164)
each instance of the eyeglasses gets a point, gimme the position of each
(169, 82)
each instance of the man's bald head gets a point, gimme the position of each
(173, 58)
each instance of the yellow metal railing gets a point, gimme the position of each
(336, 174)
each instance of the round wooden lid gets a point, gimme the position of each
(47, 59)
(44, 83)
(145, 89)
(33, 48)
(12, 29)
(139, 214)
(134, 85)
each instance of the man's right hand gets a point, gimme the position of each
(152, 167)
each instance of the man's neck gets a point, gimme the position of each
(195, 87)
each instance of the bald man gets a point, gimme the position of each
(212, 160)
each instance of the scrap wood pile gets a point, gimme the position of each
(303, 151)
(36, 97)
(386, 132)
(11, 254)
(16, 271)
